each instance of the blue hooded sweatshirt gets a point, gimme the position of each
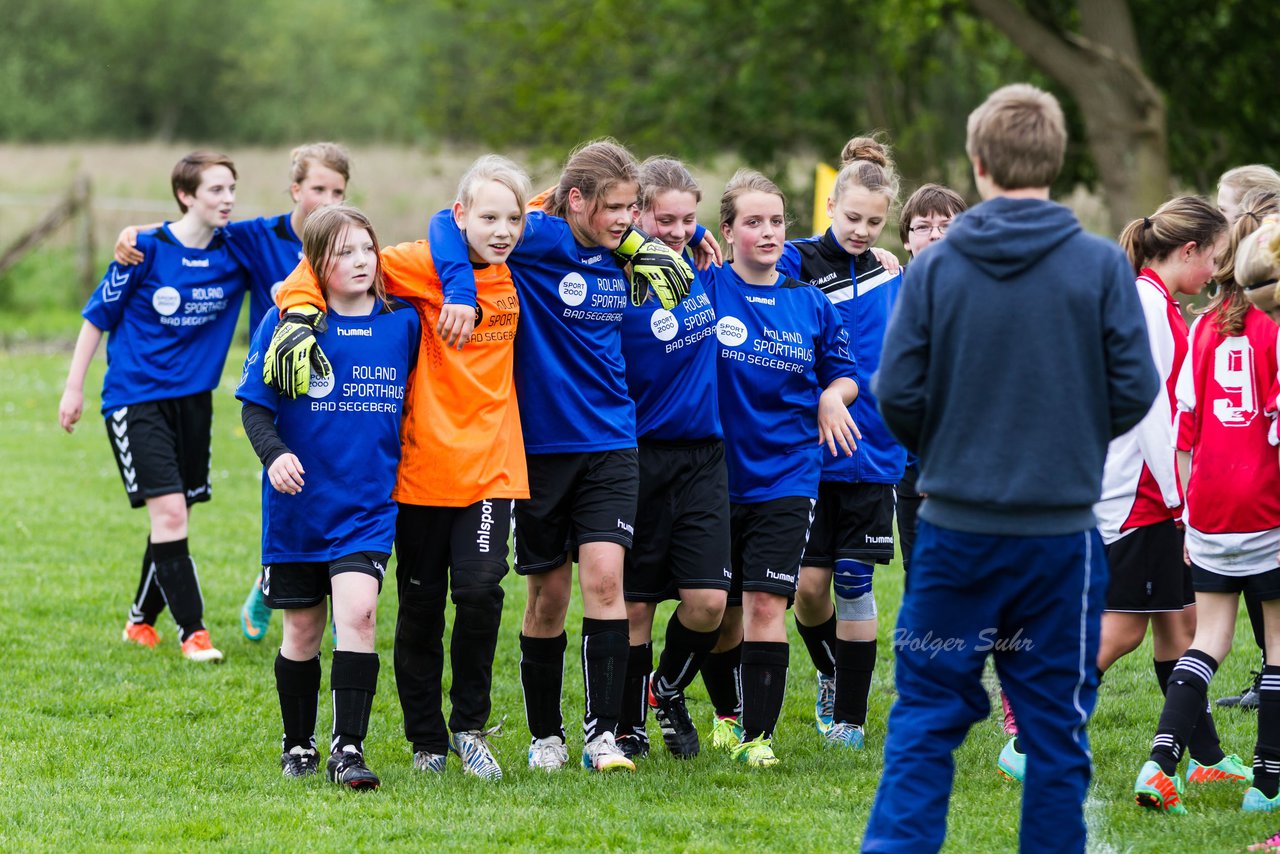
(1016, 352)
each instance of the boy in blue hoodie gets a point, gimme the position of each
(1017, 351)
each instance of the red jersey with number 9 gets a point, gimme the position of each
(1227, 402)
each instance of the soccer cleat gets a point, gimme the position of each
(1271, 843)
(726, 733)
(1255, 801)
(758, 753)
(1010, 725)
(255, 616)
(603, 754)
(1156, 790)
(549, 753)
(1229, 770)
(424, 760)
(143, 634)
(824, 709)
(474, 750)
(845, 735)
(198, 647)
(300, 762)
(1012, 765)
(1247, 699)
(634, 745)
(678, 732)
(347, 768)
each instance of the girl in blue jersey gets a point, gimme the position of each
(579, 431)
(170, 322)
(328, 518)
(785, 374)
(852, 528)
(268, 248)
(682, 518)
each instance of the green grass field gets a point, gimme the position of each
(108, 746)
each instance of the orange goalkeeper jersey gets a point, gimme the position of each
(460, 439)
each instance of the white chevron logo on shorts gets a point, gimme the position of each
(119, 427)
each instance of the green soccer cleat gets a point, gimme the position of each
(726, 733)
(1156, 790)
(255, 616)
(1255, 801)
(824, 709)
(1012, 765)
(1231, 769)
(757, 753)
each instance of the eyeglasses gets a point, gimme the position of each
(923, 229)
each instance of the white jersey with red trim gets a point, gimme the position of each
(1226, 405)
(1140, 481)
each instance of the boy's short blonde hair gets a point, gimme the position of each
(1019, 135)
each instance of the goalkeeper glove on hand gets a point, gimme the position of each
(293, 356)
(654, 265)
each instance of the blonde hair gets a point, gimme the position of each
(594, 168)
(1229, 305)
(1181, 220)
(331, 155)
(1252, 176)
(744, 181)
(1019, 135)
(662, 174)
(867, 164)
(320, 234)
(494, 167)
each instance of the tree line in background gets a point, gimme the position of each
(1157, 91)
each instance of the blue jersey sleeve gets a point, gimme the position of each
(449, 254)
(106, 304)
(789, 263)
(252, 388)
(834, 359)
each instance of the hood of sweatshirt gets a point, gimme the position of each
(1005, 237)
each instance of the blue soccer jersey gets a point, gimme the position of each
(863, 293)
(346, 434)
(779, 347)
(671, 366)
(569, 371)
(169, 319)
(268, 250)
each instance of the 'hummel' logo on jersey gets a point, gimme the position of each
(594, 259)
(765, 300)
(364, 332)
(195, 262)
(113, 285)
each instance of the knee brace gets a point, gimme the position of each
(854, 599)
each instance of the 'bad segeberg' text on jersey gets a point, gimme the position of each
(569, 370)
(779, 346)
(863, 294)
(671, 366)
(170, 319)
(345, 432)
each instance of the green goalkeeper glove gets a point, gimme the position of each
(293, 356)
(654, 265)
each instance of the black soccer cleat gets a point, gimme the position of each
(347, 768)
(1249, 698)
(634, 745)
(300, 762)
(678, 731)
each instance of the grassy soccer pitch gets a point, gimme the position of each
(109, 746)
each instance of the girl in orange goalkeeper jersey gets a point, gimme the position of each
(462, 467)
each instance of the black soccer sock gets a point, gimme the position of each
(820, 640)
(354, 680)
(298, 685)
(542, 677)
(1183, 704)
(1266, 753)
(176, 573)
(604, 670)
(635, 703)
(855, 662)
(148, 601)
(682, 657)
(1203, 744)
(764, 685)
(722, 674)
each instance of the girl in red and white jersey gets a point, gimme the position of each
(1226, 408)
